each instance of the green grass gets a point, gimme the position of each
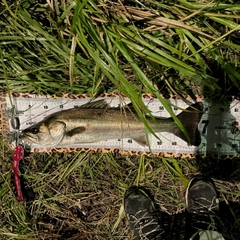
(80, 196)
(160, 47)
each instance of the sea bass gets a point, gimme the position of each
(97, 121)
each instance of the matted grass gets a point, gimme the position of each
(80, 196)
(170, 47)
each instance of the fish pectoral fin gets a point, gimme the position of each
(141, 140)
(75, 131)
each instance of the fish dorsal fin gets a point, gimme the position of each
(96, 104)
(129, 106)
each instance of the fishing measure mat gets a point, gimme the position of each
(218, 127)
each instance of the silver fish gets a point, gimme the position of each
(96, 121)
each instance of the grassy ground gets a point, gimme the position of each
(170, 47)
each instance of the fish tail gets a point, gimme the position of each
(190, 120)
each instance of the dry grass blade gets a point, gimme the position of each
(153, 19)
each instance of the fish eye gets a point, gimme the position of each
(34, 130)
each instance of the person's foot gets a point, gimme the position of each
(202, 204)
(142, 215)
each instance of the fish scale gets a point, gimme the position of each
(218, 126)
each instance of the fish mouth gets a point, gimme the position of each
(28, 137)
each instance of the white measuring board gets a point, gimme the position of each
(218, 127)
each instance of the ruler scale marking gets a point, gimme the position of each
(215, 125)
